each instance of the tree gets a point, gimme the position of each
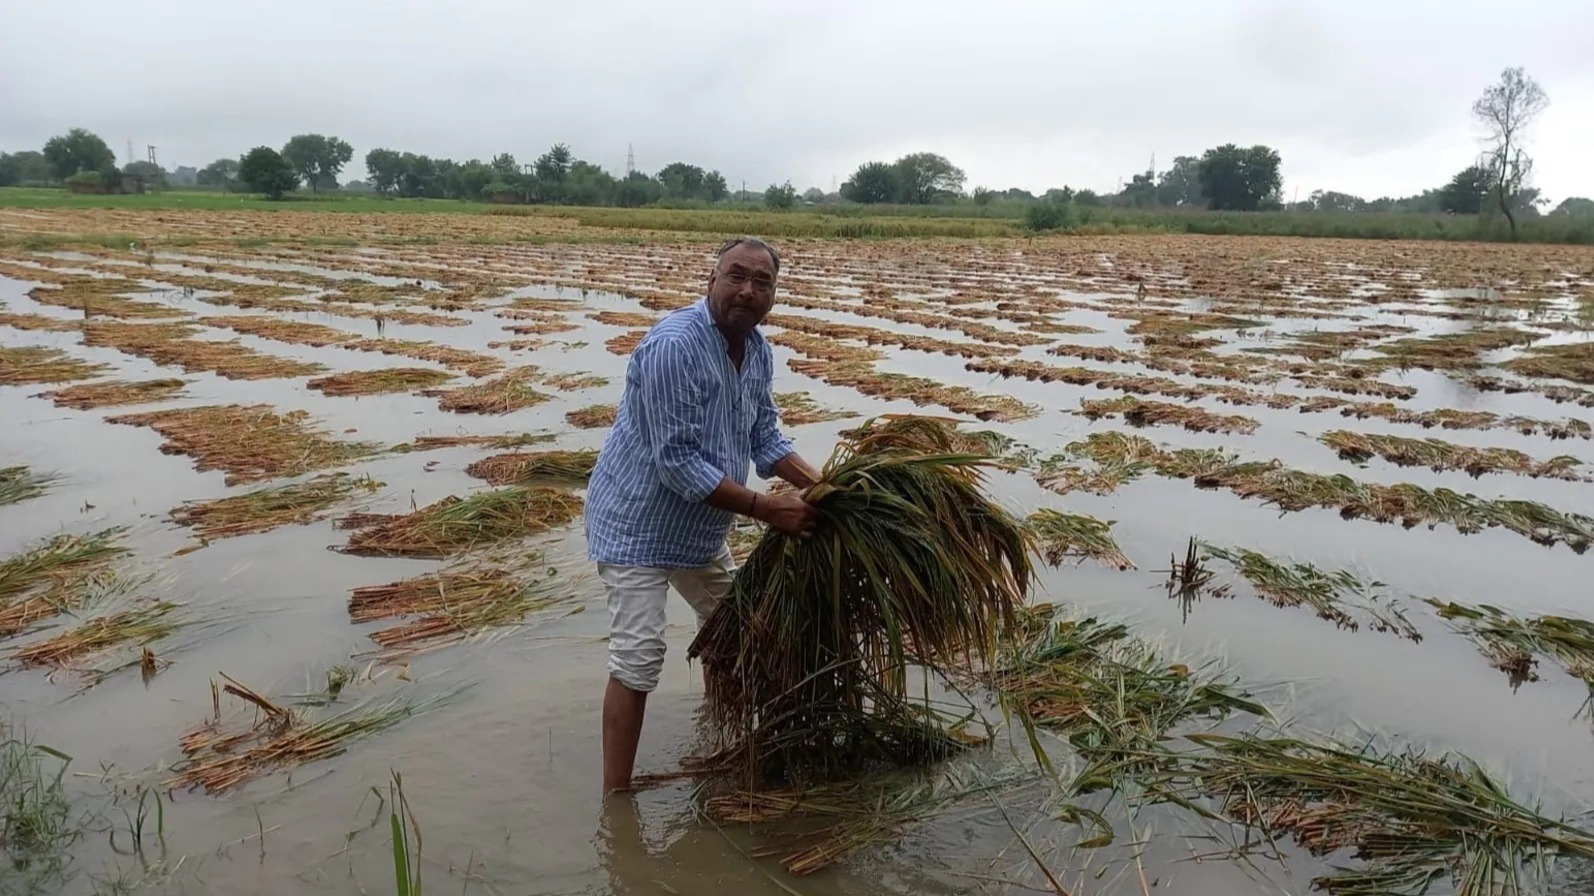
(1181, 183)
(317, 159)
(637, 190)
(1576, 207)
(924, 177)
(1466, 192)
(1140, 192)
(554, 165)
(222, 173)
(682, 181)
(1506, 110)
(1238, 179)
(264, 170)
(384, 166)
(78, 150)
(1334, 201)
(780, 196)
(714, 188)
(26, 167)
(153, 174)
(873, 182)
(814, 195)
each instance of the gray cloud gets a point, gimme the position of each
(1367, 97)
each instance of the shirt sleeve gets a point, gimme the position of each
(769, 445)
(675, 414)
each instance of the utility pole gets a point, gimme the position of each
(152, 155)
(130, 151)
(630, 160)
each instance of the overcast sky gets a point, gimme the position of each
(1371, 97)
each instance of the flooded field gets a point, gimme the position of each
(290, 502)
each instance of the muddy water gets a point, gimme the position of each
(503, 775)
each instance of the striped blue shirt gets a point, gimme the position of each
(687, 420)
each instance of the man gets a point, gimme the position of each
(698, 409)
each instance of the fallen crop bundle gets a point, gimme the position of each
(54, 577)
(453, 605)
(1332, 594)
(37, 364)
(249, 442)
(20, 484)
(1409, 821)
(1512, 644)
(107, 393)
(806, 663)
(268, 508)
(1063, 535)
(1439, 455)
(455, 524)
(523, 466)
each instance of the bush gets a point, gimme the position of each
(1044, 216)
(86, 182)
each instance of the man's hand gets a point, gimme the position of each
(789, 513)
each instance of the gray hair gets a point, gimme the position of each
(749, 241)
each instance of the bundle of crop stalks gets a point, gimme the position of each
(1449, 351)
(1512, 644)
(139, 625)
(24, 364)
(575, 382)
(219, 758)
(1117, 457)
(463, 360)
(1332, 595)
(1138, 412)
(821, 349)
(1293, 490)
(54, 577)
(1110, 695)
(501, 395)
(29, 321)
(520, 467)
(543, 325)
(800, 409)
(593, 416)
(454, 525)
(381, 381)
(1447, 418)
(432, 443)
(1408, 821)
(276, 328)
(876, 336)
(624, 318)
(271, 507)
(806, 662)
(100, 300)
(917, 389)
(1355, 385)
(111, 393)
(1568, 361)
(249, 442)
(1064, 535)
(169, 345)
(625, 343)
(20, 484)
(452, 605)
(1439, 455)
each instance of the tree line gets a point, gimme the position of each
(1223, 178)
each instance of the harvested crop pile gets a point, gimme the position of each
(249, 442)
(510, 392)
(20, 484)
(799, 408)
(626, 342)
(36, 364)
(432, 443)
(268, 508)
(379, 382)
(509, 469)
(114, 392)
(593, 416)
(805, 662)
(170, 345)
(1440, 456)
(575, 382)
(1138, 412)
(452, 605)
(54, 577)
(454, 525)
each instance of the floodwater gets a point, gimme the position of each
(503, 776)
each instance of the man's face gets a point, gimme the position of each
(741, 290)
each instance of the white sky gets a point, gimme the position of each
(1371, 98)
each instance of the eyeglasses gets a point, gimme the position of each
(762, 284)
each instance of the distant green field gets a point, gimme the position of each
(961, 221)
(32, 197)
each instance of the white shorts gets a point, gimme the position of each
(637, 596)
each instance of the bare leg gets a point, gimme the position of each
(623, 709)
